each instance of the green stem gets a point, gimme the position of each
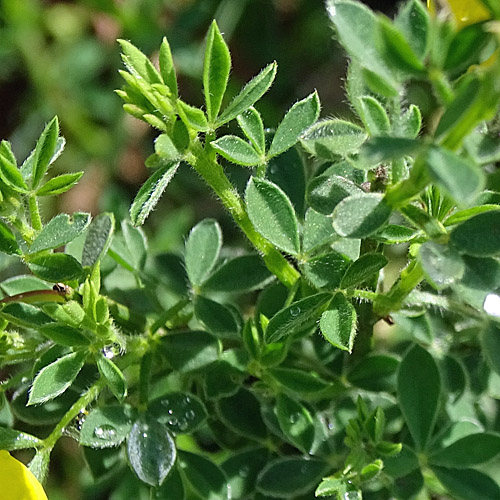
(214, 176)
(81, 403)
(169, 314)
(145, 379)
(442, 86)
(36, 220)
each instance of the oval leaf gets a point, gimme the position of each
(478, 236)
(338, 323)
(113, 376)
(362, 269)
(56, 267)
(98, 239)
(59, 184)
(325, 192)
(442, 265)
(251, 124)
(238, 151)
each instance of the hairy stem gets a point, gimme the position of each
(36, 220)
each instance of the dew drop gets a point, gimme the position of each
(105, 432)
(244, 471)
(294, 311)
(491, 304)
(352, 495)
(190, 414)
(294, 418)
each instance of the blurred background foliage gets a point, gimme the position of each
(61, 58)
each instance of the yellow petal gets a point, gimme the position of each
(17, 482)
(465, 12)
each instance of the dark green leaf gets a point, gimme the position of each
(467, 484)
(60, 230)
(414, 23)
(251, 124)
(150, 193)
(362, 269)
(296, 317)
(98, 239)
(55, 378)
(59, 184)
(113, 376)
(237, 151)
(419, 393)
(318, 231)
(289, 477)
(272, 214)
(8, 243)
(402, 464)
(180, 412)
(26, 315)
(331, 138)
(325, 192)
(204, 477)
(295, 422)
(11, 439)
(241, 274)
(44, 151)
(188, 351)
(64, 335)
(215, 71)
(151, 450)
(56, 267)
(360, 215)
(171, 489)
(441, 264)
(462, 180)
(490, 343)
(202, 250)
(217, 318)
(381, 149)
(106, 427)
(326, 271)
(338, 323)
(249, 94)
(300, 116)
(241, 413)
(298, 381)
(375, 373)
(478, 236)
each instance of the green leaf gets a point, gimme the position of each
(6, 151)
(465, 484)
(8, 242)
(59, 184)
(362, 269)
(397, 51)
(138, 64)
(462, 180)
(64, 335)
(136, 243)
(402, 464)
(381, 149)
(44, 151)
(298, 381)
(251, 124)
(272, 214)
(172, 488)
(325, 192)
(151, 450)
(374, 116)
(333, 487)
(241, 274)
(113, 376)
(241, 413)
(217, 318)
(338, 323)
(216, 69)
(192, 117)
(296, 317)
(204, 477)
(167, 68)
(237, 151)
(249, 94)
(442, 265)
(326, 271)
(241, 469)
(490, 346)
(165, 148)
(189, 351)
(202, 250)
(98, 239)
(106, 427)
(60, 230)
(56, 267)
(469, 451)
(295, 422)
(180, 412)
(150, 193)
(358, 32)
(360, 215)
(222, 380)
(331, 138)
(411, 122)
(11, 176)
(393, 234)
(478, 236)
(375, 373)
(414, 23)
(419, 393)
(23, 283)
(26, 315)
(300, 116)
(10, 439)
(54, 379)
(318, 231)
(463, 215)
(289, 477)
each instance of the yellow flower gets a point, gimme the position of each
(17, 482)
(465, 12)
